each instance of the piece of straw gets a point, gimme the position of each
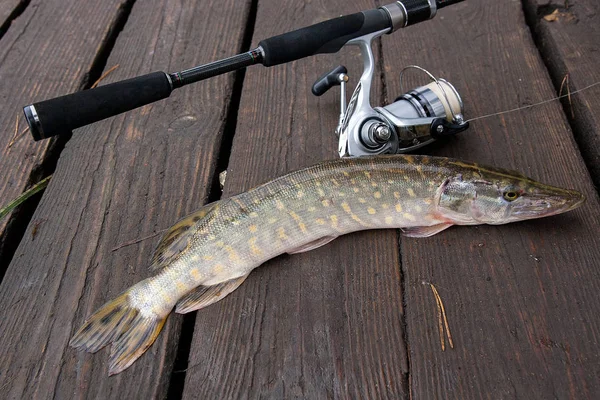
(442, 319)
(104, 75)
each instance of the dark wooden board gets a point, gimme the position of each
(46, 52)
(8, 8)
(521, 299)
(570, 43)
(323, 324)
(118, 180)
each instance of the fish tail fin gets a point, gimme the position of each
(119, 323)
(140, 335)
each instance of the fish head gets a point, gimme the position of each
(497, 196)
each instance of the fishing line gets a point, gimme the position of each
(536, 104)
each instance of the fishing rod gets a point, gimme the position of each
(61, 115)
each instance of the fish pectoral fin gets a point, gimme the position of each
(312, 245)
(204, 296)
(178, 237)
(424, 231)
(129, 331)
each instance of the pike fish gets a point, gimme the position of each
(210, 253)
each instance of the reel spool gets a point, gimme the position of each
(439, 99)
(415, 119)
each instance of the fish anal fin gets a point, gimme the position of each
(178, 237)
(204, 296)
(425, 231)
(312, 245)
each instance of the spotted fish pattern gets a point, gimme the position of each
(208, 254)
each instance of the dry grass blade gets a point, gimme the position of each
(17, 135)
(24, 196)
(442, 319)
(138, 240)
(104, 75)
(569, 97)
(566, 81)
(441, 304)
(562, 84)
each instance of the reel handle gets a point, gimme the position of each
(328, 80)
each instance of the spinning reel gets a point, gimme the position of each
(415, 119)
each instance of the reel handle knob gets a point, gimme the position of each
(328, 80)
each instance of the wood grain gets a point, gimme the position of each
(522, 299)
(121, 179)
(570, 46)
(323, 324)
(7, 10)
(38, 60)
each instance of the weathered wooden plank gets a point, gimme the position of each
(522, 299)
(323, 324)
(8, 8)
(118, 180)
(569, 44)
(48, 51)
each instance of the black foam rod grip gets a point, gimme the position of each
(325, 37)
(63, 114)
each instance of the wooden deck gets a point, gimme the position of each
(353, 319)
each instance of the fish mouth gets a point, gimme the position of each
(570, 200)
(575, 201)
(558, 201)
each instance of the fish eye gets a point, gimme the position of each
(510, 195)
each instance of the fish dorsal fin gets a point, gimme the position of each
(424, 231)
(178, 237)
(204, 296)
(312, 245)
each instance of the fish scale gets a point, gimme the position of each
(208, 254)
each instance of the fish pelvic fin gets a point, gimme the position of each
(130, 332)
(204, 296)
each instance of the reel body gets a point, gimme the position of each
(415, 119)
